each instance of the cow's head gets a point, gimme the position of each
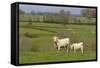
(55, 40)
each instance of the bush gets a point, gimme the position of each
(24, 44)
(34, 48)
(29, 35)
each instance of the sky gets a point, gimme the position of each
(40, 8)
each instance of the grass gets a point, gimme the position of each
(36, 43)
(54, 56)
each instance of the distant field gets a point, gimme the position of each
(36, 43)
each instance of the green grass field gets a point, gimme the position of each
(36, 43)
(54, 56)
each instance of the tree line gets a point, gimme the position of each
(87, 16)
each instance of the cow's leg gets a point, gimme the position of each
(58, 47)
(55, 45)
(67, 48)
(82, 50)
(74, 50)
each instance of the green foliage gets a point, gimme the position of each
(34, 48)
(88, 13)
(29, 35)
(64, 17)
(24, 43)
(58, 18)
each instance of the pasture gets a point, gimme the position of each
(36, 43)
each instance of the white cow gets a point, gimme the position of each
(77, 46)
(61, 42)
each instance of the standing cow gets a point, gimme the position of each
(58, 43)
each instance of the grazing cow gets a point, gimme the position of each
(61, 42)
(76, 46)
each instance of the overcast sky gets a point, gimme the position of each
(38, 8)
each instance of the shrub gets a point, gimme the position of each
(30, 35)
(24, 44)
(34, 48)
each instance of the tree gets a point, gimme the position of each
(67, 15)
(64, 17)
(21, 12)
(88, 13)
(32, 12)
(94, 13)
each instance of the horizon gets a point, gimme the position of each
(49, 9)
